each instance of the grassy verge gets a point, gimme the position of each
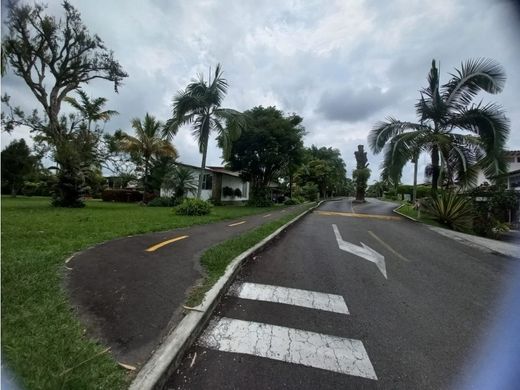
(216, 259)
(426, 218)
(42, 341)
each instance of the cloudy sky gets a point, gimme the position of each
(341, 65)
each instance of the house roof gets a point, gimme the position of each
(222, 170)
(512, 152)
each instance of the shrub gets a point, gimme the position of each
(291, 202)
(237, 193)
(260, 201)
(228, 191)
(162, 201)
(451, 209)
(121, 195)
(193, 207)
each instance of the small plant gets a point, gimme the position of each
(228, 191)
(291, 202)
(193, 207)
(452, 210)
(237, 193)
(162, 201)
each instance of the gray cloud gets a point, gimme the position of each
(353, 105)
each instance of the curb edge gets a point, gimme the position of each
(167, 357)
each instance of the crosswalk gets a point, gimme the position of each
(297, 346)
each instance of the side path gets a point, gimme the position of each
(130, 291)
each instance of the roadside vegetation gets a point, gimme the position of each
(42, 341)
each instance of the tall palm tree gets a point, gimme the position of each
(149, 141)
(460, 136)
(199, 105)
(91, 109)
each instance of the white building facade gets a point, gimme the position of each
(219, 185)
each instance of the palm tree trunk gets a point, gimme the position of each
(415, 161)
(145, 181)
(435, 169)
(202, 169)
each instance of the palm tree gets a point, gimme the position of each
(181, 181)
(456, 156)
(199, 106)
(91, 110)
(149, 141)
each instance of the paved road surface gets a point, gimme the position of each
(130, 291)
(306, 314)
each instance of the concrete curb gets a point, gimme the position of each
(404, 215)
(167, 357)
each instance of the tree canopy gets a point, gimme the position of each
(266, 146)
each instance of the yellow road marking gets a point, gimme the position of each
(161, 244)
(354, 215)
(237, 223)
(388, 247)
(267, 215)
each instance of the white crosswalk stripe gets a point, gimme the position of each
(290, 296)
(290, 345)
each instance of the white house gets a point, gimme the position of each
(513, 170)
(217, 182)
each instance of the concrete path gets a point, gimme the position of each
(129, 292)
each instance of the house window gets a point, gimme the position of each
(518, 159)
(244, 189)
(207, 182)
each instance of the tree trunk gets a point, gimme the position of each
(202, 168)
(435, 169)
(415, 162)
(13, 190)
(290, 185)
(145, 180)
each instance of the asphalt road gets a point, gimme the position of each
(129, 298)
(420, 327)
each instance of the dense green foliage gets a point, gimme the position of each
(17, 165)
(266, 146)
(456, 156)
(193, 207)
(324, 168)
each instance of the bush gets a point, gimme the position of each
(291, 202)
(193, 207)
(228, 191)
(162, 201)
(260, 201)
(237, 193)
(121, 195)
(451, 210)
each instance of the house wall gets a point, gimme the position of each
(513, 164)
(218, 180)
(235, 182)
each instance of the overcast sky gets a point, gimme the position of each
(340, 65)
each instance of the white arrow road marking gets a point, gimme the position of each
(346, 356)
(289, 296)
(363, 251)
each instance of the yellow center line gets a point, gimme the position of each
(388, 247)
(161, 244)
(237, 223)
(353, 215)
(267, 215)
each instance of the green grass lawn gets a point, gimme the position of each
(42, 341)
(426, 218)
